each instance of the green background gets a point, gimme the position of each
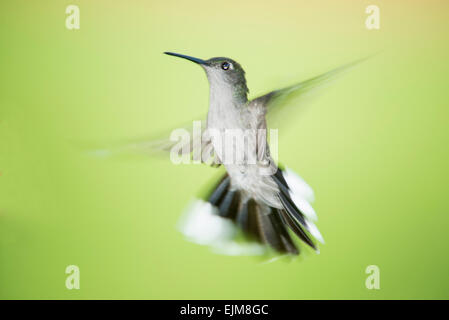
(374, 146)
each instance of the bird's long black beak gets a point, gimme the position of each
(196, 60)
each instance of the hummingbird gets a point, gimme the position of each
(264, 209)
(257, 207)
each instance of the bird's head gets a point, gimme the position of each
(222, 73)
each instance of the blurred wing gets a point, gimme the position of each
(192, 143)
(273, 103)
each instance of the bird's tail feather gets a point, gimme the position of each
(266, 228)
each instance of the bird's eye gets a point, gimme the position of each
(225, 65)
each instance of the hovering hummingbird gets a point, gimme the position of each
(262, 208)
(248, 212)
